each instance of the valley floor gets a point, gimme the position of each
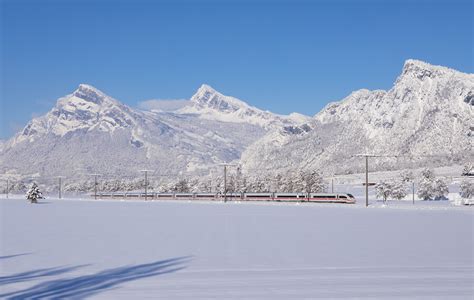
(180, 250)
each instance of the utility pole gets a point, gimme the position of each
(95, 187)
(146, 182)
(366, 181)
(8, 186)
(225, 178)
(59, 186)
(95, 184)
(367, 175)
(332, 185)
(225, 183)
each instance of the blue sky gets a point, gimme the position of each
(282, 56)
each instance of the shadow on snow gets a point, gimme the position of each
(88, 285)
(25, 276)
(14, 255)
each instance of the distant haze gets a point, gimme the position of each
(163, 104)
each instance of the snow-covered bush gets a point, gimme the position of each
(258, 184)
(182, 186)
(468, 169)
(312, 182)
(34, 193)
(395, 189)
(399, 190)
(204, 185)
(425, 185)
(440, 189)
(467, 189)
(384, 190)
(295, 183)
(78, 186)
(231, 184)
(430, 187)
(111, 185)
(17, 187)
(407, 176)
(287, 183)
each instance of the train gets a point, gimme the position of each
(275, 197)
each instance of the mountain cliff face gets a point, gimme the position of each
(426, 118)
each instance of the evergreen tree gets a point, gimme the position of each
(34, 193)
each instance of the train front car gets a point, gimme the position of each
(331, 198)
(349, 198)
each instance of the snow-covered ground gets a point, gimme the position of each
(115, 249)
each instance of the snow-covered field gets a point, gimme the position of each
(180, 250)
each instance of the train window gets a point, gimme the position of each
(343, 197)
(323, 196)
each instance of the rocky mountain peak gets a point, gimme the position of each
(89, 93)
(207, 97)
(417, 69)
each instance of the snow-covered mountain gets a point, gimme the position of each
(212, 105)
(427, 117)
(90, 132)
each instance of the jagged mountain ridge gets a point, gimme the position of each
(212, 105)
(428, 112)
(88, 132)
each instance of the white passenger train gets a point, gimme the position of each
(280, 197)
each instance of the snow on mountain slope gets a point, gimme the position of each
(212, 105)
(428, 112)
(88, 131)
(85, 109)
